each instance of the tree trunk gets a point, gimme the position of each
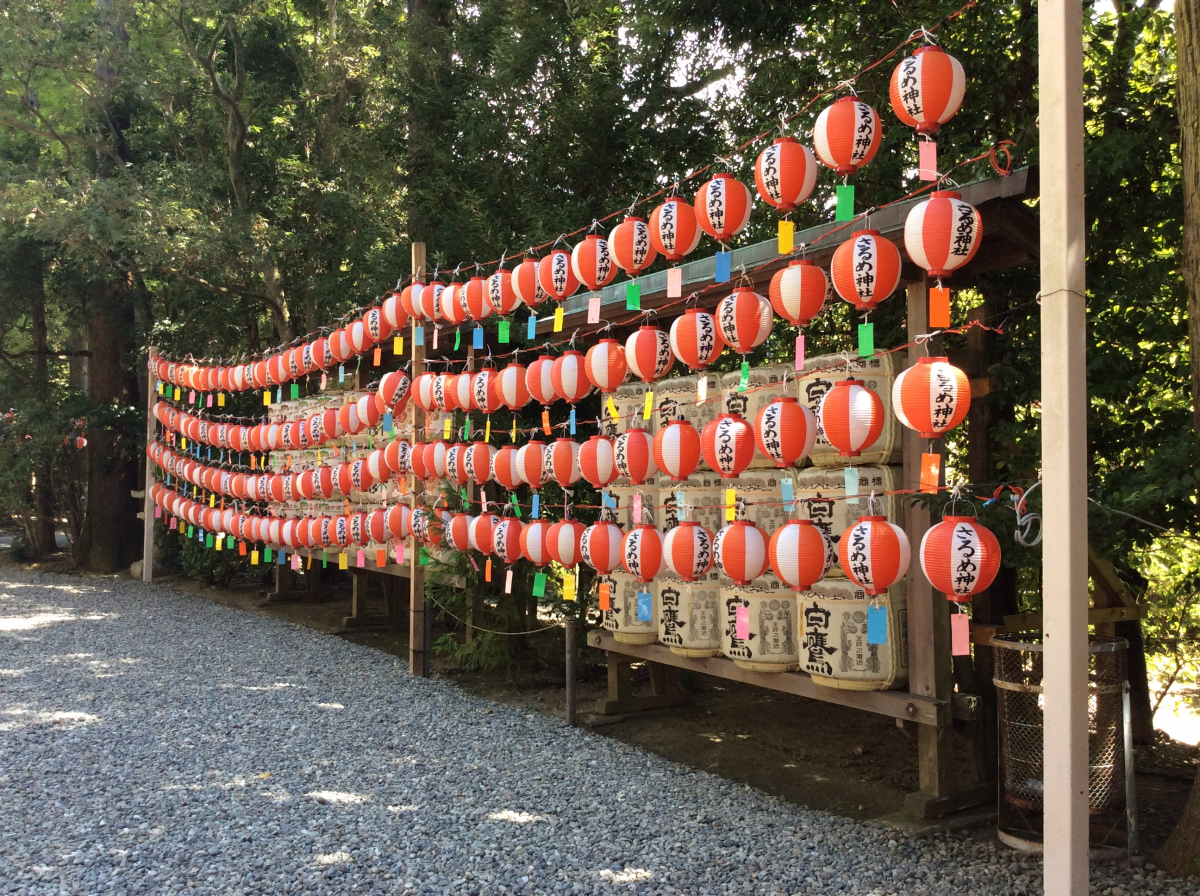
(1187, 96)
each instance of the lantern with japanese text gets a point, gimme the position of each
(460, 386)
(695, 339)
(393, 388)
(430, 299)
(631, 247)
(500, 293)
(592, 262)
(932, 397)
(506, 540)
(399, 520)
(785, 431)
(453, 305)
(723, 207)
(874, 554)
(741, 551)
(942, 233)
(642, 552)
(865, 269)
(485, 390)
(538, 380)
(648, 351)
(557, 279)
(960, 557)
(674, 230)
(597, 461)
(846, 135)
(393, 313)
(562, 459)
(525, 283)
(851, 417)
(727, 445)
(927, 88)
(569, 377)
(478, 461)
(423, 392)
(688, 550)
(399, 456)
(481, 531)
(458, 532)
(444, 396)
(785, 174)
(744, 319)
(677, 449)
(799, 554)
(606, 365)
(634, 456)
(799, 291)
(534, 543)
(563, 542)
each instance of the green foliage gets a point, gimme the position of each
(205, 564)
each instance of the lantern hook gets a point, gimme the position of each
(573, 335)
(633, 205)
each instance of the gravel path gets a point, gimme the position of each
(151, 742)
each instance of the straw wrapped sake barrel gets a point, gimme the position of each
(630, 402)
(819, 492)
(622, 617)
(878, 373)
(689, 621)
(676, 397)
(834, 645)
(772, 642)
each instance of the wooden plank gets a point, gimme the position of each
(1110, 590)
(147, 501)
(417, 661)
(896, 704)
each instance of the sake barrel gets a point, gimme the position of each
(703, 492)
(630, 402)
(764, 386)
(760, 496)
(878, 374)
(688, 619)
(676, 397)
(772, 642)
(835, 648)
(622, 618)
(819, 490)
(622, 514)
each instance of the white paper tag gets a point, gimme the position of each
(594, 308)
(702, 389)
(508, 582)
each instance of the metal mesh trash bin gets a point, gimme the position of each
(1018, 681)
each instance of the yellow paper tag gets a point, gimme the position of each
(730, 504)
(446, 429)
(177, 393)
(183, 444)
(612, 410)
(219, 542)
(649, 405)
(212, 500)
(487, 430)
(569, 587)
(558, 319)
(787, 233)
(266, 397)
(220, 399)
(318, 458)
(254, 558)
(514, 432)
(398, 345)
(343, 561)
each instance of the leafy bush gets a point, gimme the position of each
(210, 566)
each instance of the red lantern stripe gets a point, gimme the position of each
(569, 377)
(874, 553)
(642, 552)
(927, 88)
(723, 207)
(695, 339)
(688, 551)
(525, 283)
(851, 417)
(942, 233)
(674, 230)
(866, 250)
(799, 292)
(600, 546)
(846, 135)
(606, 365)
(506, 540)
(631, 247)
(785, 174)
(597, 461)
(799, 554)
(634, 456)
(538, 380)
(648, 351)
(677, 449)
(741, 551)
(744, 319)
(592, 262)
(555, 275)
(534, 545)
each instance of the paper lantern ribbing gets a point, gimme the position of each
(562, 460)
(456, 466)
(723, 207)
(677, 449)
(846, 135)
(648, 352)
(741, 551)
(500, 293)
(927, 88)
(538, 380)
(477, 461)
(430, 300)
(411, 307)
(475, 297)
(744, 318)
(376, 325)
(557, 279)
(393, 388)
(453, 304)
(634, 456)
(460, 386)
(688, 551)
(932, 397)
(799, 554)
(865, 269)
(674, 230)
(874, 554)
(458, 532)
(695, 339)
(510, 384)
(799, 292)
(785, 431)
(506, 540)
(481, 531)
(606, 365)
(785, 174)
(563, 542)
(600, 546)
(423, 392)
(960, 557)
(531, 463)
(851, 417)
(444, 396)
(485, 390)
(569, 377)
(642, 552)
(597, 461)
(592, 262)
(399, 456)
(727, 445)
(393, 313)
(416, 461)
(525, 283)
(505, 469)
(435, 459)
(630, 245)
(942, 233)
(534, 545)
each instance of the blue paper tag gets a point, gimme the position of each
(341, 373)
(609, 500)
(387, 422)
(418, 335)
(477, 337)
(851, 485)
(282, 558)
(644, 606)
(788, 494)
(876, 625)
(680, 504)
(724, 261)
(531, 327)
(278, 394)
(537, 503)
(571, 421)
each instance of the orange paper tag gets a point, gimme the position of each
(939, 308)
(381, 558)
(605, 596)
(487, 571)
(546, 420)
(378, 355)
(931, 468)
(242, 548)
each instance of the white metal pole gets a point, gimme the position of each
(147, 501)
(1064, 446)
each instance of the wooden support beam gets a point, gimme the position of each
(147, 501)
(418, 661)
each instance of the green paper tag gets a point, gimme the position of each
(267, 556)
(745, 380)
(229, 542)
(190, 532)
(633, 296)
(502, 332)
(457, 339)
(539, 585)
(208, 541)
(324, 559)
(866, 340)
(295, 390)
(845, 202)
(516, 507)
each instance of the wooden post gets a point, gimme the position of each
(147, 501)
(1064, 446)
(416, 581)
(570, 658)
(472, 493)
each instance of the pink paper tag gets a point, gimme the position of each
(800, 352)
(191, 398)
(171, 523)
(295, 561)
(209, 400)
(960, 634)
(927, 160)
(158, 513)
(637, 510)
(473, 563)
(594, 308)
(362, 558)
(741, 623)
(399, 552)
(674, 283)
(508, 582)
(324, 380)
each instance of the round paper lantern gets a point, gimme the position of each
(606, 365)
(475, 297)
(377, 465)
(851, 417)
(846, 135)
(393, 388)
(600, 546)
(538, 380)
(444, 398)
(456, 467)
(500, 293)
(695, 339)
(642, 552)
(723, 207)
(452, 304)
(648, 351)
(505, 469)
(799, 554)
(865, 269)
(423, 392)
(399, 519)
(677, 449)
(393, 313)
(727, 445)
(785, 174)
(429, 299)
(480, 534)
(563, 542)
(960, 557)
(568, 376)
(485, 391)
(398, 454)
(506, 540)
(411, 307)
(478, 461)
(674, 230)
(744, 319)
(416, 462)
(630, 245)
(460, 387)
(741, 551)
(510, 384)
(932, 397)
(555, 275)
(597, 461)
(927, 88)
(785, 431)
(562, 459)
(368, 411)
(531, 462)
(634, 456)
(874, 554)
(799, 291)
(942, 233)
(458, 532)
(534, 547)
(525, 283)
(435, 459)
(688, 551)
(592, 262)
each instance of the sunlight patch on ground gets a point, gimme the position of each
(1179, 715)
(337, 796)
(331, 706)
(38, 620)
(332, 858)
(277, 686)
(628, 876)
(46, 586)
(515, 817)
(12, 673)
(396, 809)
(25, 718)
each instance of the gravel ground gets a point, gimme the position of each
(152, 742)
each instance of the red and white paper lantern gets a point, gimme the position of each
(785, 431)
(534, 543)
(505, 468)
(393, 388)
(538, 380)
(430, 300)
(475, 297)
(630, 245)
(874, 554)
(744, 319)
(648, 352)
(688, 551)
(569, 377)
(741, 551)
(960, 557)
(458, 532)
(477, 460)
(606, 365)
(846, 135)
(723, 207)
(642, 552)
(557, 279)
(531, 462)
(851, 417)
(506, 540)
(525, 283)
(592, 262)
(600, 546)
(865, 269)
(500, 293)
(512, 388)
(927, 89)
(453, 304)
(562, 459)
(563, 542)
(481, 531)
(485, 391)
(597, 461)
(727, 445)
(942, 233)
(695, 339)
(634, 456)
(423, 392)
(932, 397)
(785, 174)
(799, 554)
(799, 291)
(674, 230)
(677, 449)
(460, 386)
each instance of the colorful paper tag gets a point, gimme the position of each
(605, 592)
(723, 265)
(744, 380)
(397, 345)
(800, 352)
(866, 340)
(535, 511)
(637, 509)
(648, 404)
(419, 336)
(960, 634)
(343, 561)
(508, 577)
(787, 491)
(931, 472)
(593, 316)
(477, 338)
(851, 485)
(539, 584)
(437, 331)
(531, 327)
(674, 283)
(571, 422)
(927, 160)
(702, 389)
(546, 421)
(633, 296)
(730, 504)
(612, 409)
(645, 606)
(845, 203)
(568, 587)
(939, 307)
(741, 623)
(558, 319)
(502, 332)
(876, 624)
(787, 237)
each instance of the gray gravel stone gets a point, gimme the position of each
(152, 742)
